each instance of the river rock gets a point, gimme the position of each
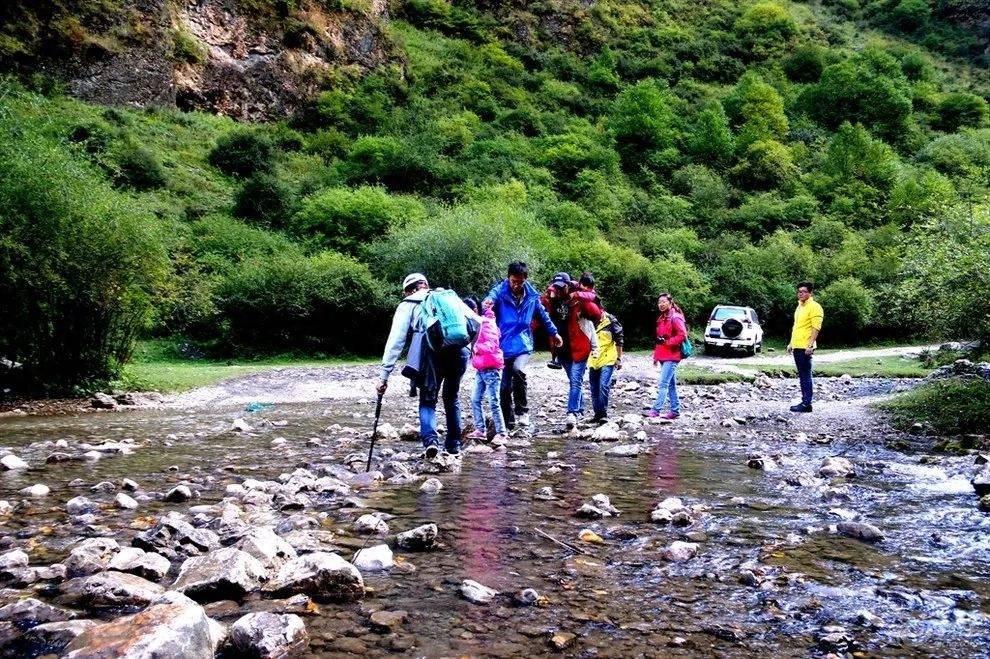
(37, 490)
(984, 504)
(604, 503)
(321, 575)
(431, 486)
(762, 462)
(527, 597)
(387, 621)
(146, 564)
(172, 627)
(125, 502)
(178, 494)
(545, 494)
(981, 482)
(129, 485)
(108, 590)
(103, 401)
(371, 524)
(859, 531)
(673, 504)
(226, 573)
(607, 432)
(836, 467)
(90, 556)
(625, 450)
(79, 506)
(30, 612)
(661, 516)
(174, 538)
(476, 593)
(13, 560)
(409, 433)
(54, 636)
(421, 538)
(264, 544)
(11, 462)
(240, 425)
(374, 559)
(680, 551)
(268, 635)
(589, 511)
(387, 432)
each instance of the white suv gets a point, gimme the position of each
(733, 327)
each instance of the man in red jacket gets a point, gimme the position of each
(566, 307)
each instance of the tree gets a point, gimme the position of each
(759, 109)
(764, 28)
(243, 152)
(766, 164)
(711, 142)
(642, 121)
(848, 306)
(959, 109)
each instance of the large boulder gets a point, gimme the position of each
(172, 627)
(146, 564)
(321, 575)
(268, 635)
(30, 612)
(108, 589)
(54, 636)
(264, 544)
(226, 573)
(175, 538)
(90, 556)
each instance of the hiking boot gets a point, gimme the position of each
(523, 419)
(570, 421)
(554, 364)
(653, 414)
(800, 407)
(598, 419)
(452, 449)
(431, 452)
(670, 416)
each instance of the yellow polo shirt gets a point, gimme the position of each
(808, 316)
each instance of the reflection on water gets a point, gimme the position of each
(768, 578)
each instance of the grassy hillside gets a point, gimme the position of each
(722, 151)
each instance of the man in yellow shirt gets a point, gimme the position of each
(808, 319)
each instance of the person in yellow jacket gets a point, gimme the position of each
(602, 367)
(808, 319)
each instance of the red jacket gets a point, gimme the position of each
(670, 325)
(582, 305)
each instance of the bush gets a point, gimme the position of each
(220, 242)
(911, 15)
(766, 164)
(848, 309)
(642, 121)
(397, 164)
(465, 248)
(805, 64)
(711, 141)
(951, 406)
(759, 109)
(765, 27)
(139, 167)
(958, 154)
(265, 199)
(327, 303)
(79, 263)
(958, 110)
(243, 152)
(347, 220)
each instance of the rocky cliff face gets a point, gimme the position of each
(213, 55)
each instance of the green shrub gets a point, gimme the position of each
(265, 199)
(951, 406)
(187, 48)
(347, 220)
(758, 109)
(958, 110)
(325, 303)
(848, 307)
(642, 121)
(911, 15)
(958, 154)
(243, 152)
(805, 64)
(219, 242)
(681, 241)
(397, 164)
(79, 262)
(766, 164)
(138, 166)
(917, 67)
(711, 142)
(765, 28)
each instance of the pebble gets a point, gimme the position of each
(374, 559)
(11, 462)
(431, 486)
(476, 593)
(679, 551)
(37, 490)
(178, 494)
(125, 502)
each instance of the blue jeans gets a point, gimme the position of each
(486, 385)
(803, 363)
(575, 374)
(667, 388)
(450, 369)
(600, 380)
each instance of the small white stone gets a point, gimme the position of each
(374, 559)
(126, 502)
(11, 462)
(37, 490)
(431, 486)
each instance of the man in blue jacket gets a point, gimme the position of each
(515, 303)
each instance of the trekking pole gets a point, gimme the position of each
(374, 431)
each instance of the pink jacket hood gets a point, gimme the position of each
(487, 352)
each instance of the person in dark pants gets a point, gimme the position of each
(808, 318)
(516, 304)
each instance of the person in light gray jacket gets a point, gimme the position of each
(435, 373)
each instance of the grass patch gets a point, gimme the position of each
(157, 368)
(860, 367)
(953, 406)
(687, 374)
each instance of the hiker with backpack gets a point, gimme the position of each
(487, 359)
(603, 365)
(516, 305)
(671, 340)
(438, 327)
(568, 307)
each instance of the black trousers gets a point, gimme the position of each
(512, 393)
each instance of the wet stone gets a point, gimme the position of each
(30, 612)
(90, 556)
(108, 589)
(374, 559)
(431, 486)
(13, 560)
(421, 538)
(371, 524)
(148, 565)
(476, 593)
(322, 576)
(679, 551)
(268, 636)
(562, 640)
(54, 636)
(11, 462)
(836, 467)
(387, 621)
(222, 574)
(859, 531)
(178, 494)
(175, 538)
(266, 546)
(125, 502)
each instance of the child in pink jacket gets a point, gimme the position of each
(486, 357)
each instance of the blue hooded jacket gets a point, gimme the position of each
(515, 319)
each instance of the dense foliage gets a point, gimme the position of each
(721, 151)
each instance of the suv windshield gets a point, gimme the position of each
(724, 313)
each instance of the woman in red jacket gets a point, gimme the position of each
(671, 332)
